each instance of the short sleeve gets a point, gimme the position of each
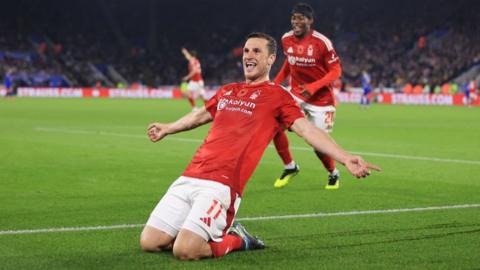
(331, 58)
(328, 55)
(289, 111)
(211, 104)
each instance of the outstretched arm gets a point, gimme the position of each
(157, 131)
(194, 70)
(322, 142)
(187, 54)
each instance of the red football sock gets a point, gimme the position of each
(281, 144)
(230, 242)
(328, 162)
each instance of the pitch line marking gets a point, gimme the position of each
(313, 215)
(384, 155)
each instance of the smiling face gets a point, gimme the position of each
(257, 60)
(300, 24)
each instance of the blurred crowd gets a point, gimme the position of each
(429, 45)
(122, 43)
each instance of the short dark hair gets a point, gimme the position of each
(271, 43)
(304, 9)
(193, 53)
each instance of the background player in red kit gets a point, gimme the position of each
(195, 87)
(312, 65)
(194, 217)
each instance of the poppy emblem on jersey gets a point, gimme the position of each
(300, 49)
(242, 93)
(255, 94)
(310, 50)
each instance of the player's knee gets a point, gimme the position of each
(185, 253)
(152, 241)
(148, 245)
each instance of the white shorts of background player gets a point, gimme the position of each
(322, 117)
(196, 88)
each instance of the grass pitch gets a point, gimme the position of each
(87, 163)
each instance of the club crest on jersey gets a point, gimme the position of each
(255, 94)
(310, 50)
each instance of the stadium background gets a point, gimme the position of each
(132, 44)
(78, 177)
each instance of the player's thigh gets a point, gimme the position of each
(321, 117)
(213, 210)
(201, 89)
(172, 210)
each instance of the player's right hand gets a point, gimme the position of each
(359, 168)
(156, 131)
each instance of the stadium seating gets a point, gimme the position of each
(113, 43)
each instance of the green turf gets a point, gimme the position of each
(88, 162)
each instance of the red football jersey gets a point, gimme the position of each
(472, 86)
(309, 59)
(195, 64)
(245, 119)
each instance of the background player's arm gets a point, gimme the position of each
(331, 62)
(283, 73)
(334, 72)
(189, 58)
(322, 142)
(157, 131)
(187, 54)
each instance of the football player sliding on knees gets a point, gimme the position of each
(196, 216)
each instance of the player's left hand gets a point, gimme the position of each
(157, 131)
(360, 168)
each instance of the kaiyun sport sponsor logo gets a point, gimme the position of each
(301, 61)
(235, 105)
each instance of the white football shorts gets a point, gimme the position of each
(196, 88)
(322, 117)
(201, 206)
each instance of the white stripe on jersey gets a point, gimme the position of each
(325, 40)
(287, 34)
